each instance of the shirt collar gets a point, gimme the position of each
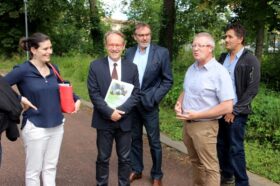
(239, 53)
(147, 49)
(207, 66)
(111, 62)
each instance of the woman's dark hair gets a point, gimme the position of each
(32, 41)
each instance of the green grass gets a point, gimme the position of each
(7, 64)
(169, 124)
(75, 70)
(263, 160)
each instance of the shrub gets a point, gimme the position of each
(264, 124)
(179, 67)
(270, 70)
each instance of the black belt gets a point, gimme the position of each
(193, 121)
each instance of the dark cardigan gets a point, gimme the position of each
(10, 110)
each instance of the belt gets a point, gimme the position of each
(193, 121)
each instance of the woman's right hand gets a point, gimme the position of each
(27, 104)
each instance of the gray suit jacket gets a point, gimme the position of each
(157, 80)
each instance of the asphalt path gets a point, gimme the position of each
(76, 165)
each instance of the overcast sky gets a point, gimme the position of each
(116, 6)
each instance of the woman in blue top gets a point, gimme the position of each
(42, 124)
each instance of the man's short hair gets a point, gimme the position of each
(114, 32)
(238, 29)
(211, 41)
(141, 25)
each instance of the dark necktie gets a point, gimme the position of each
(114, 72)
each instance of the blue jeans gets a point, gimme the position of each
(230, 148)
(150, 119)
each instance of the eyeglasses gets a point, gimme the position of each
(114, 45)
(143, 35)
(199, 46)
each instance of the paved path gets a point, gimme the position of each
(77, 159)
(78, 154)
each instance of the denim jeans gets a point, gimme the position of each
(150, 119)
(230, 148)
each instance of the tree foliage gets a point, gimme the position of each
(76, 26)
(258, 17)
(71, 24)
(11, 24)
(166, 32)
(191, 16)
(147, 11)
(95, 28)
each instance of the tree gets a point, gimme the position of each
(260, 16)
(256, 16)
(147, 11)
(194, 16)
(67, 22)
(167, 25)
(12, 25)
(43, 16)
(95, 30)
(189, 17)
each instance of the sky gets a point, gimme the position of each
(116, 6)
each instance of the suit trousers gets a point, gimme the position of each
(149, 119)
(200, 139)
(105, 138)
(42, 147)
(231, 151)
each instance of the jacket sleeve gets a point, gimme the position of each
(95, 94)
(253, 81)
(9, 102)
(166, 77)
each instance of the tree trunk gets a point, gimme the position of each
(259, 40)
(95, 31)
(167, 25)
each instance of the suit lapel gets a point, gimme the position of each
(131, 57)
(106, 70)
(123, 71)
(149, 64)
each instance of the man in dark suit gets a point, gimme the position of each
(112, 123)
(155, 78)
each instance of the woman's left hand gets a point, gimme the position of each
(77, 106)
